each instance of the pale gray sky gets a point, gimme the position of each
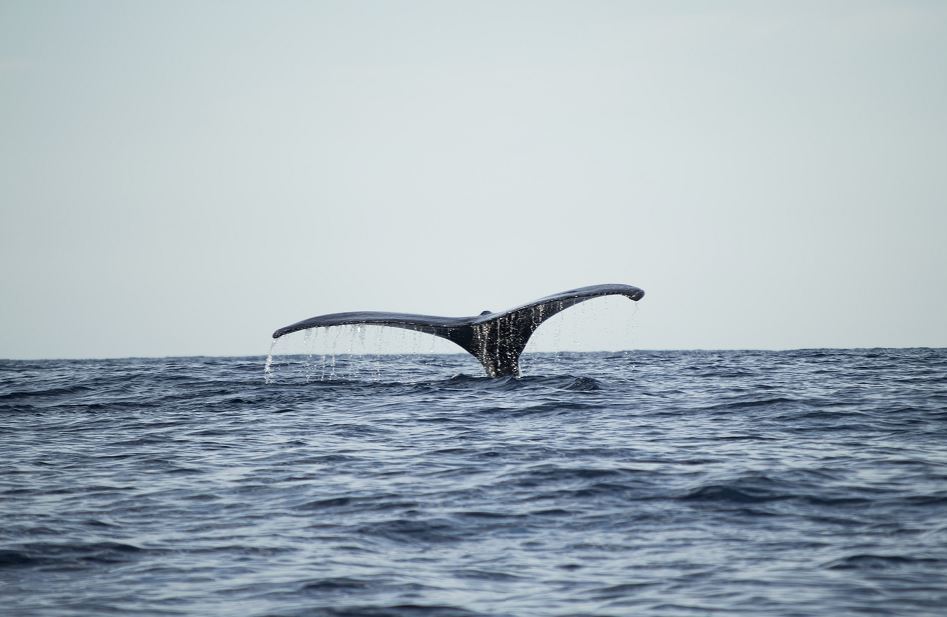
(182, 178)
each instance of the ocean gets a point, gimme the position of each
(808, 482)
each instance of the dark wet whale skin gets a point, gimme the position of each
(496, 339)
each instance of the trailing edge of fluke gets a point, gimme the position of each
(496, 339)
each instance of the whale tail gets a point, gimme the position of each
(495, 339)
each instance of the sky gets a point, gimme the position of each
(182, 178)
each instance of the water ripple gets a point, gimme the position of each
(668, 483)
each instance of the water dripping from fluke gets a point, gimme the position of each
(268, 366)
(496, 339)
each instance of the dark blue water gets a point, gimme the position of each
(656, 483)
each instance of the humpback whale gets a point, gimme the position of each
(496, 339)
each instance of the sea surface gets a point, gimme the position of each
(635, 483)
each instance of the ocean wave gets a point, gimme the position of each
(772, 483)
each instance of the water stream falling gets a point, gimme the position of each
(268, 367)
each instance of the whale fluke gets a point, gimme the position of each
(496, 339)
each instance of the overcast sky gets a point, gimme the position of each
(183, 178)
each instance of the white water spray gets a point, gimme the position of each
(268, 366)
